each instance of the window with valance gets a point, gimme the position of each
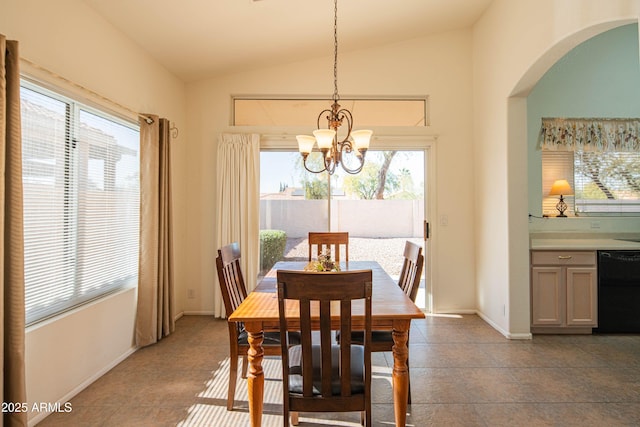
(608, 135)
(601, 160)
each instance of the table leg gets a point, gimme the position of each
(255, 375)
(400, 370)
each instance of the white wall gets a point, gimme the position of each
(65, 355)
(362, 218)
(68, 39)
(438, 66)
(514, 44)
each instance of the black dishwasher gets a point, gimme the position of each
(618, 292)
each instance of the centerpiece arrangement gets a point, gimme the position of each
(324, 263)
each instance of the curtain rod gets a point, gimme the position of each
(149, 120)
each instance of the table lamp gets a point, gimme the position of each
(562, 188)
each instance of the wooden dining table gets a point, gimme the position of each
(391, 310)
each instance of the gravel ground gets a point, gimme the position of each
(388, 252)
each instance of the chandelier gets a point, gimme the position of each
(353, 147)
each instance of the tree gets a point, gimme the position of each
(316, 189)
(366, 184)
(591, 167)
(609, 175)
(316, 186)
(383, 172)
(406, 187)
(406, 181)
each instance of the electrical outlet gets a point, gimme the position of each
(595, 224)
(191, 294)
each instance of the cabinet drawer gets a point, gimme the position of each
(563, 258)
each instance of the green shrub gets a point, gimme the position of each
(272, 245)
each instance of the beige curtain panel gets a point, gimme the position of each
(11, 223)
(155, 313)
(238, 202)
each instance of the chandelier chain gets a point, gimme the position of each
(336, 97)
(335, 150)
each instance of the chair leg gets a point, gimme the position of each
(245, 364)
(233, 377)
(409, 395)
(408, 381)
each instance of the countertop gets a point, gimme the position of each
(586, 243)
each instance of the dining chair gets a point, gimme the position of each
(411, 269)
(409, 281)
(320, 375)
(332, 241)
(234, 291)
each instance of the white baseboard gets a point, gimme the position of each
(507, 334)
(457, 311)
(42, 415)
(198, 313)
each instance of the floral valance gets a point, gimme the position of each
(589, 134)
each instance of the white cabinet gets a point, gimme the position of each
(564, 291)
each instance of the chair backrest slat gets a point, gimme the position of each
(320, 242)
(345, 347)
(325, 346)
(305, 328)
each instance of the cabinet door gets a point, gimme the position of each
(582, 296)
(547, 296)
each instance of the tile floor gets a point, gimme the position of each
(463, 373)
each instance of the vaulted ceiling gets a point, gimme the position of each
(202, 38)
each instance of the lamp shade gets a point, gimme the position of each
(324, 137)
(361, 139)
(305, 143)
(561, 188)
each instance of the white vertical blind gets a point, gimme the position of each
(81, 202)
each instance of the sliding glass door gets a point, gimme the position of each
(381, 207)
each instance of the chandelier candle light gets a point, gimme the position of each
(355, 143)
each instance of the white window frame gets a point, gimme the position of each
(112, 230)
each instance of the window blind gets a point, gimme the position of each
(607, 182)
(81, 202)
